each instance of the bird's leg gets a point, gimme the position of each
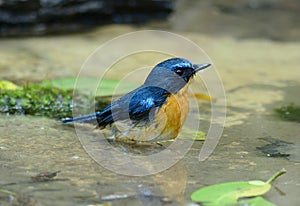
(112, 138)
(161, 143)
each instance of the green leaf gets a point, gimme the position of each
(231, 192)
(7, 85)
(7, 192)
(257, 201)
(89, 85)
(190, 134)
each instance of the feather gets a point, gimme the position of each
(135, 106)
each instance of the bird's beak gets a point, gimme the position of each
(198, 67)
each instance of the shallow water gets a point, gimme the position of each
(30, 145)
(258, 75)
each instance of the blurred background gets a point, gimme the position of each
(49, 39)
(272, 19)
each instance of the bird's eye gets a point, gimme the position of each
(179, 72)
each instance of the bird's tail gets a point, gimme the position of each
(88, 118)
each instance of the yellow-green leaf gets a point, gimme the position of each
(256, 201)
(204, 97)
(7, 85)
(189, 134)
(231, 192)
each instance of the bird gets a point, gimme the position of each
(153, 112)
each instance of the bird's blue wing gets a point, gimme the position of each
(145, 100)
(135, 105)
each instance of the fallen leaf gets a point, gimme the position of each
(205, 97)
(281, 149)
(7, 85)
(230, 193)
(7, 192)
(189, 134)
(256, 201)
(44, 176)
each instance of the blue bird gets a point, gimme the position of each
(154, 111)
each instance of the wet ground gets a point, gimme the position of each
(258, 76)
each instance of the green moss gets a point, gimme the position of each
(42, 100)
(290, 112)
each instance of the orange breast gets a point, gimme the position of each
(172, 115)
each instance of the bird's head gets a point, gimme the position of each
(173, 74)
